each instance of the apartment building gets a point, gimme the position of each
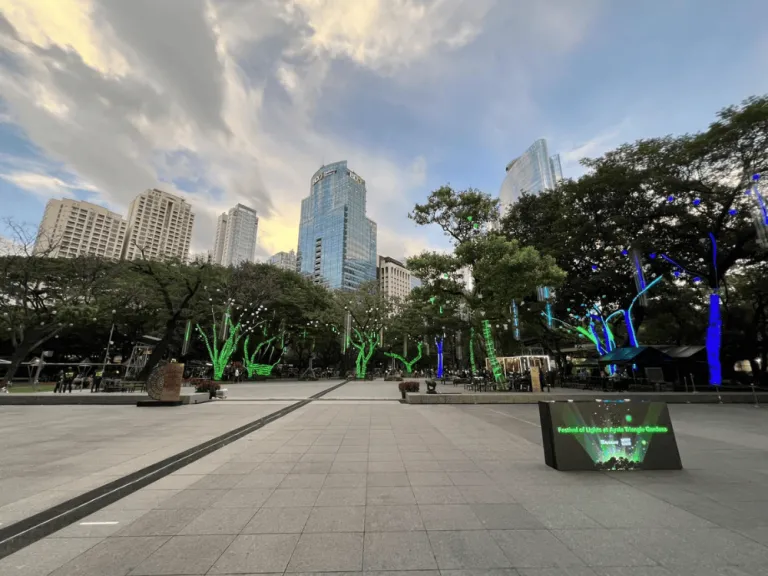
(72, 228)
(159, 227)
(395, 281)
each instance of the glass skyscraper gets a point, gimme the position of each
(533, 172)
(337, 242)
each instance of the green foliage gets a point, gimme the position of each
(461, 215)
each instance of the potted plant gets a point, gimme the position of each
(405, 387)
(205, 385)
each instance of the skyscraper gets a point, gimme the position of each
(337, 242)
(533, 172)
(72, 228)
(236, 233)
(221, 235)
(159, 227)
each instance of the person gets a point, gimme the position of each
(96, 382)
(69, 377)
(237, 374)
(59, 382)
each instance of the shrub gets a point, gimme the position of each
(408, 386)
(204, 385)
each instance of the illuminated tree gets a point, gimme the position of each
(407, 363)
(365, 313)
(257, 362)
(227, 334)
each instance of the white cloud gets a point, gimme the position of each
(592, 148)
(388, 34)
(44, 186)
(112, 90)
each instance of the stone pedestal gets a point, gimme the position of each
(173, 375)
(164, 386)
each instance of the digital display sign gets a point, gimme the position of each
(608, 435)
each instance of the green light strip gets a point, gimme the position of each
(491, 348)
(408, 364)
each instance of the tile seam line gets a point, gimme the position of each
(19, 535)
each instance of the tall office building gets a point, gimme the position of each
(337, 242)
(236, 233)
(221, 234)
(72, 228)
(284, 260)
(533, 172)
(159, 227)
(394, 278)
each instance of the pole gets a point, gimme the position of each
(106, 354)
(754, 393)
(40, 365)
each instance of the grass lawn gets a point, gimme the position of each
(26, 389)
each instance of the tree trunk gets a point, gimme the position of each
(21, 352)
(159, 350)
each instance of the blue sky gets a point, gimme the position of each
(232, 101)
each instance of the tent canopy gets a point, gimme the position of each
(640, 355)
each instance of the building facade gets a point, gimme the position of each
(532, 172)
(72, 228)
(221, 234)
(337, 242)
(236, 234)
(395, 280)
(159, 227)
(284, 260)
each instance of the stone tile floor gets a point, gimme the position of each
(392, 489)
(50, 454)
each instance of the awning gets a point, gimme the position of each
(640, 355)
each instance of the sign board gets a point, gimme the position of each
(535, 379)
(608, 435)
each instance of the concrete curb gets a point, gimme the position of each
(81, 399)
(533, 398)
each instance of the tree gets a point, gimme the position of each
(679, 201)
(486, 271)
(41, 297)
(176, 285)
(367, 311)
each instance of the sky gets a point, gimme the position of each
(227, 101)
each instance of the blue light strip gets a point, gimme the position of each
(668, 259)
(761, 203)
(714, 334)
(614, 314)
(439, 344)
(516, 320)
(598, 343)
(628, 315)
(714, 329)
(549, 314)
(639, 271)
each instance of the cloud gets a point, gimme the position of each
(44, 186)
(387, 34)
(596, 146)
(224, 101)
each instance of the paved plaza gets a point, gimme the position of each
(51, 454)
(342, 486)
